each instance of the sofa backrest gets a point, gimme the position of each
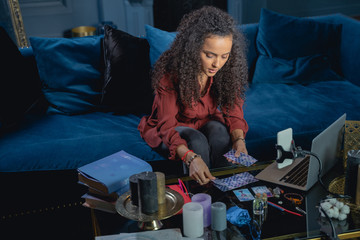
(250, 32)
(160, 40)
(350, 47)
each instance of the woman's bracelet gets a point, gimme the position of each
(183, 157)
(239, 138)
(192, 158)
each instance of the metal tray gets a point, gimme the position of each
(173, 204)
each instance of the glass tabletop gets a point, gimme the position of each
(278, 224)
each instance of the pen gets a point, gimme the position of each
(283, 209)
(181, 185)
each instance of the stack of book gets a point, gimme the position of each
(108, 178)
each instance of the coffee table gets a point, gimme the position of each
(278, 224)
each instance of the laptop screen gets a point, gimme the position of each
(327, 146)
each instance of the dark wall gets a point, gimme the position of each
(168, 13)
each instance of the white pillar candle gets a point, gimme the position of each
(205, 200)
(193, 220)
(218, 216)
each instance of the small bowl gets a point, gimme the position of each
(83, 31)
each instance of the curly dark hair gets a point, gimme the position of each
(182, 61)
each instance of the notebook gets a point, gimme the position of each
(302, 174)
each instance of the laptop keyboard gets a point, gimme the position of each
(298, 175)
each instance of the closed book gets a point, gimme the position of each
(107, 197)
(111, 174)
(97, 203)
(162, 234)
(99, 194)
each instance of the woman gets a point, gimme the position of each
(199, 83)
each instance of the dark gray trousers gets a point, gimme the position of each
(211, 141)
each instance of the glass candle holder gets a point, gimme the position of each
(258, 205)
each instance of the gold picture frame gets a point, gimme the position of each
(11, 20)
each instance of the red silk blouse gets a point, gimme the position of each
(167, 115)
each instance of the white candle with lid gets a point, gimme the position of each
(193, 220)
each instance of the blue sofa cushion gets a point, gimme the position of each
(127, 84)
(70, 72)
(19, 84)
(296, 50)
(159, 41)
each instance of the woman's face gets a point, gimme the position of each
(214, 54)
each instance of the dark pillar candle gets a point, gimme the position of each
(148, 192)
(133, 180)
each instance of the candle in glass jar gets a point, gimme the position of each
(193, 220)
(205, 200)
(147, 182)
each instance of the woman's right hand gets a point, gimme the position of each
(199, 171)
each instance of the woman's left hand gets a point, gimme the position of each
(239, 146)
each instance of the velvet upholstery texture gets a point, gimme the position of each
(19, 85)
(296, 50)
(159, 41)
(127, 84)
(70, 73)
(307, 109)
(58, 141)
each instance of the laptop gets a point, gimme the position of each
(302, 174)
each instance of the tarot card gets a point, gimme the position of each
(243, 159)
(261, 190)
(243, 194)
(235, 181)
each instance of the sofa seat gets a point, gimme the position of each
(307, 109)
(73, 141)
(55, 141)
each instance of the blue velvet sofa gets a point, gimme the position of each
(304, 74)
(73, 101)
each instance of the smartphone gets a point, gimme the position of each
(284, 139)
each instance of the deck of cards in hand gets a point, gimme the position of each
(147, 191)
(244, 159)
(240, 179)
(108, 178)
